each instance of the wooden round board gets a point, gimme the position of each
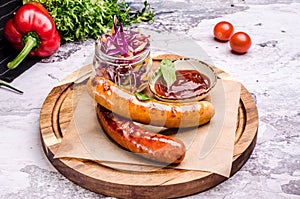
(56, 115)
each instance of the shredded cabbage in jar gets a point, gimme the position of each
(119, 43)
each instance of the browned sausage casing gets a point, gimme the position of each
(158, 113)
(152, 146)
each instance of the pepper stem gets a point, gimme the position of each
(30, 43)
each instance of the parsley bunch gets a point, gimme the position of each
(81, 19)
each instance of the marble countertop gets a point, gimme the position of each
(270, 71)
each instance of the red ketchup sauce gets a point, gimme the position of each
(189, 83)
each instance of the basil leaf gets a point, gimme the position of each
(168, 71)
(142, 96)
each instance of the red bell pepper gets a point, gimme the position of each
(32, 30)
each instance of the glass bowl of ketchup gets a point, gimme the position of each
(194, 81)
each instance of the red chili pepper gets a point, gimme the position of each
(33, 31)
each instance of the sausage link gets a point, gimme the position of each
(150, 145)
(154, 112)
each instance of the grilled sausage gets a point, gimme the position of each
(154, 112)
(157, 147)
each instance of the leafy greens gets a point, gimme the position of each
(78, 20)
(142, 96)
(168, 71)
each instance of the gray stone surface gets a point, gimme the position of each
(270, 71)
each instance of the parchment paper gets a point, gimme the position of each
(209, 148)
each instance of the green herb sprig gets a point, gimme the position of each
(168, 71)
(142, 96)
(77, 20)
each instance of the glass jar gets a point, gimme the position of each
(130, 73)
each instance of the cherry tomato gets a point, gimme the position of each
(240, 42)
(223, 30)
